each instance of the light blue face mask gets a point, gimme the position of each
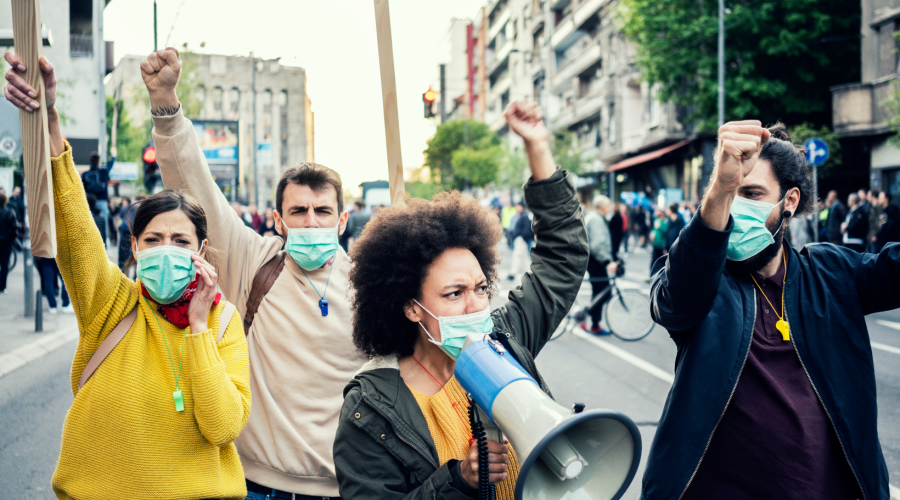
(311, 247)
(166, 271)
(454, 329)
(750, 234)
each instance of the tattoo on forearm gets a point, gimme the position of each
(161, 111)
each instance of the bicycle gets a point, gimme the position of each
(627, 313)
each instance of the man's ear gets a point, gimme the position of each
(342, 222)
(277, 217)
(792, 200)
(412, 311)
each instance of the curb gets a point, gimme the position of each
(39, 348)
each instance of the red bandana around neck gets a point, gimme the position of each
(177, 312)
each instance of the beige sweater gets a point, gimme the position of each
(300, 361)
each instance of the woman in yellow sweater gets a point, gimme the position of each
(157, 418)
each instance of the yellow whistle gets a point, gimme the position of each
(782, 326)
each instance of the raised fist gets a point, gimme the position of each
(525, 120)
(161, 70)
(739, 146)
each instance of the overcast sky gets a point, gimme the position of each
(334, 40)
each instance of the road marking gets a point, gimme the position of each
(895, 492)
(21, 356)
(885, 347)
(625, 356)
(889, 324)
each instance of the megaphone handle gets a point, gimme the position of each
(486, 491)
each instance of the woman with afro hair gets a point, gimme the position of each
(404, 430)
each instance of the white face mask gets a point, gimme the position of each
(455, 329)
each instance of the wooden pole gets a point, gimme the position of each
(35, 136)
(389, 100)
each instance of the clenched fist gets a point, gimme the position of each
(160, 71)
(739, 146)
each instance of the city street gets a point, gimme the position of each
(602, 372)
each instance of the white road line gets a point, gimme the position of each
(885, 347)
(895, 492)
(889, 324)
(21, 356)
(626, 356)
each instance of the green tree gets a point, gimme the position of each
(781, 56)
(130, 138)
(458, 170)
(189, 85)
(511, 173)
(565, 151)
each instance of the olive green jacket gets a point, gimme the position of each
(383, 448)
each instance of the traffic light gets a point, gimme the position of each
(151, 168)
(428, 99)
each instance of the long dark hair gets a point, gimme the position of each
(139, 214)
(788, 162)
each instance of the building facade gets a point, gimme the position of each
(569, 56)
(285, 132)
(74, 31)
(859, 115)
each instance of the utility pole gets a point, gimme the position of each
(443, 93)
(155, 46)
(255, 145)
(721, 62)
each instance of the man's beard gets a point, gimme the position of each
(759, 261)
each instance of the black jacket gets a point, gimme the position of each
(8, 225)
(836, 215)
(383, 448)
(673, 230)
(858, 224)
(710, 313)
(890, 225)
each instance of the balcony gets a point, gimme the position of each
(502, 85)
(567, 27)
(498, 24)
(501, 56)
(581, 109)
(856, 109)
(81, 45)
(576, 65)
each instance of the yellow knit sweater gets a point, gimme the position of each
(122, 437)
(450, 430)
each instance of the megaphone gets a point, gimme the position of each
(563, 453)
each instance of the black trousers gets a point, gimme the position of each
(597, 269)
(5, 251)
(657, 253)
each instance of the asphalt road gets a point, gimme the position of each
(34, 399)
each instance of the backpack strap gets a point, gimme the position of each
(106, 347)
(122, 328)
(261, 285)
(224, 319)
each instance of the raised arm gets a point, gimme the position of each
(684, 292)
(560, 255)
(100, 293)
(238, 250)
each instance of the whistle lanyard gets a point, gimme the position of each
(781, 325)
(177, 396)
(323, 304)
(454, 404)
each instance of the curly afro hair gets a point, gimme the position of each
(392, 257)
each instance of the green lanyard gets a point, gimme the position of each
(177, 396)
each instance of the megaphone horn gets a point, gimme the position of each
(568, 453)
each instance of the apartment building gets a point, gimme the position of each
(73, 42)
(568, 56)
(859, 117)
(285, 132)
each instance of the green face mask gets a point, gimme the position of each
(750, 234)
(454, 329)
(311, 247)
(165, 271)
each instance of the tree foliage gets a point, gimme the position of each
(781, 56)
(463, 153)
(189, 85)
(805, 131)
(130, 138)
(565, 151)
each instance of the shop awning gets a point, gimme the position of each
(637, 160)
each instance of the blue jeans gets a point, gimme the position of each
(256, 496)
(48, 281)
(103, 207)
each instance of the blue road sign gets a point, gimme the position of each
(816, 151)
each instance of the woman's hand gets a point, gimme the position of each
(526, 120)
(24, 96)
(202, 301)
(497, 458)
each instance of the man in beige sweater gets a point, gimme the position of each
(301, 353)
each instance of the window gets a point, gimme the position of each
(234, 99)
(504, 101)
(283, 107)
(81, 28)
(611, 124)
(612, 55)
(653, 105)
(217, 96)
(538, 41)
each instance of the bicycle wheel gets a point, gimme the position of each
(628, 315)
(564, 326)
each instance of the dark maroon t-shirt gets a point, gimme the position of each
(775, 440)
